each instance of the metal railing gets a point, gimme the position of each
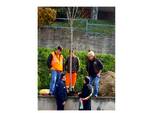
(82, 25)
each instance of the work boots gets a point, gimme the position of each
(70, 92)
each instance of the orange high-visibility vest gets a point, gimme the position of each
(57, 62)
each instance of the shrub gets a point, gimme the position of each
(46, 16)
(44, 76)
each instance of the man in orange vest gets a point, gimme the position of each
(55, 64)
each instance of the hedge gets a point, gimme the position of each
(44, 76)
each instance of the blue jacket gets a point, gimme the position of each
(60, 91)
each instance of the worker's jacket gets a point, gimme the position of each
(93, 67)
(60, 91)
(75, 64)
(55, 62)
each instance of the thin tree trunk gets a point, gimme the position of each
(94, 13)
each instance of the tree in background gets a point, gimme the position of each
(94, 13)
(83, 12)
(46, 16)
(61, 12)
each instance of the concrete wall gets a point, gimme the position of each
(51, 38)
(100, 103)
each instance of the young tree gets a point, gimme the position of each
(71, 15)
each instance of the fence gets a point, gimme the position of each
(98, 36)
(90, 27)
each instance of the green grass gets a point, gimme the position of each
(110, 22)
(62, 24)
(105, 27)
(105, 30)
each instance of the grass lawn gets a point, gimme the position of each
(105, 27)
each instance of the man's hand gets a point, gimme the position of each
(83, 99)
(64, 103)
(49, 70)
(99, 73)
(79, 93)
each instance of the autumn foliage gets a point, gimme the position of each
(46, 16)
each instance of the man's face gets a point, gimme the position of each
(64, 78)
(72, 54)
(58, 52)
(91, 57)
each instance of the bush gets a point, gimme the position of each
(46, 16)
(44, 76)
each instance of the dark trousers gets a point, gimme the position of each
(60, 105)
(87, 105)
